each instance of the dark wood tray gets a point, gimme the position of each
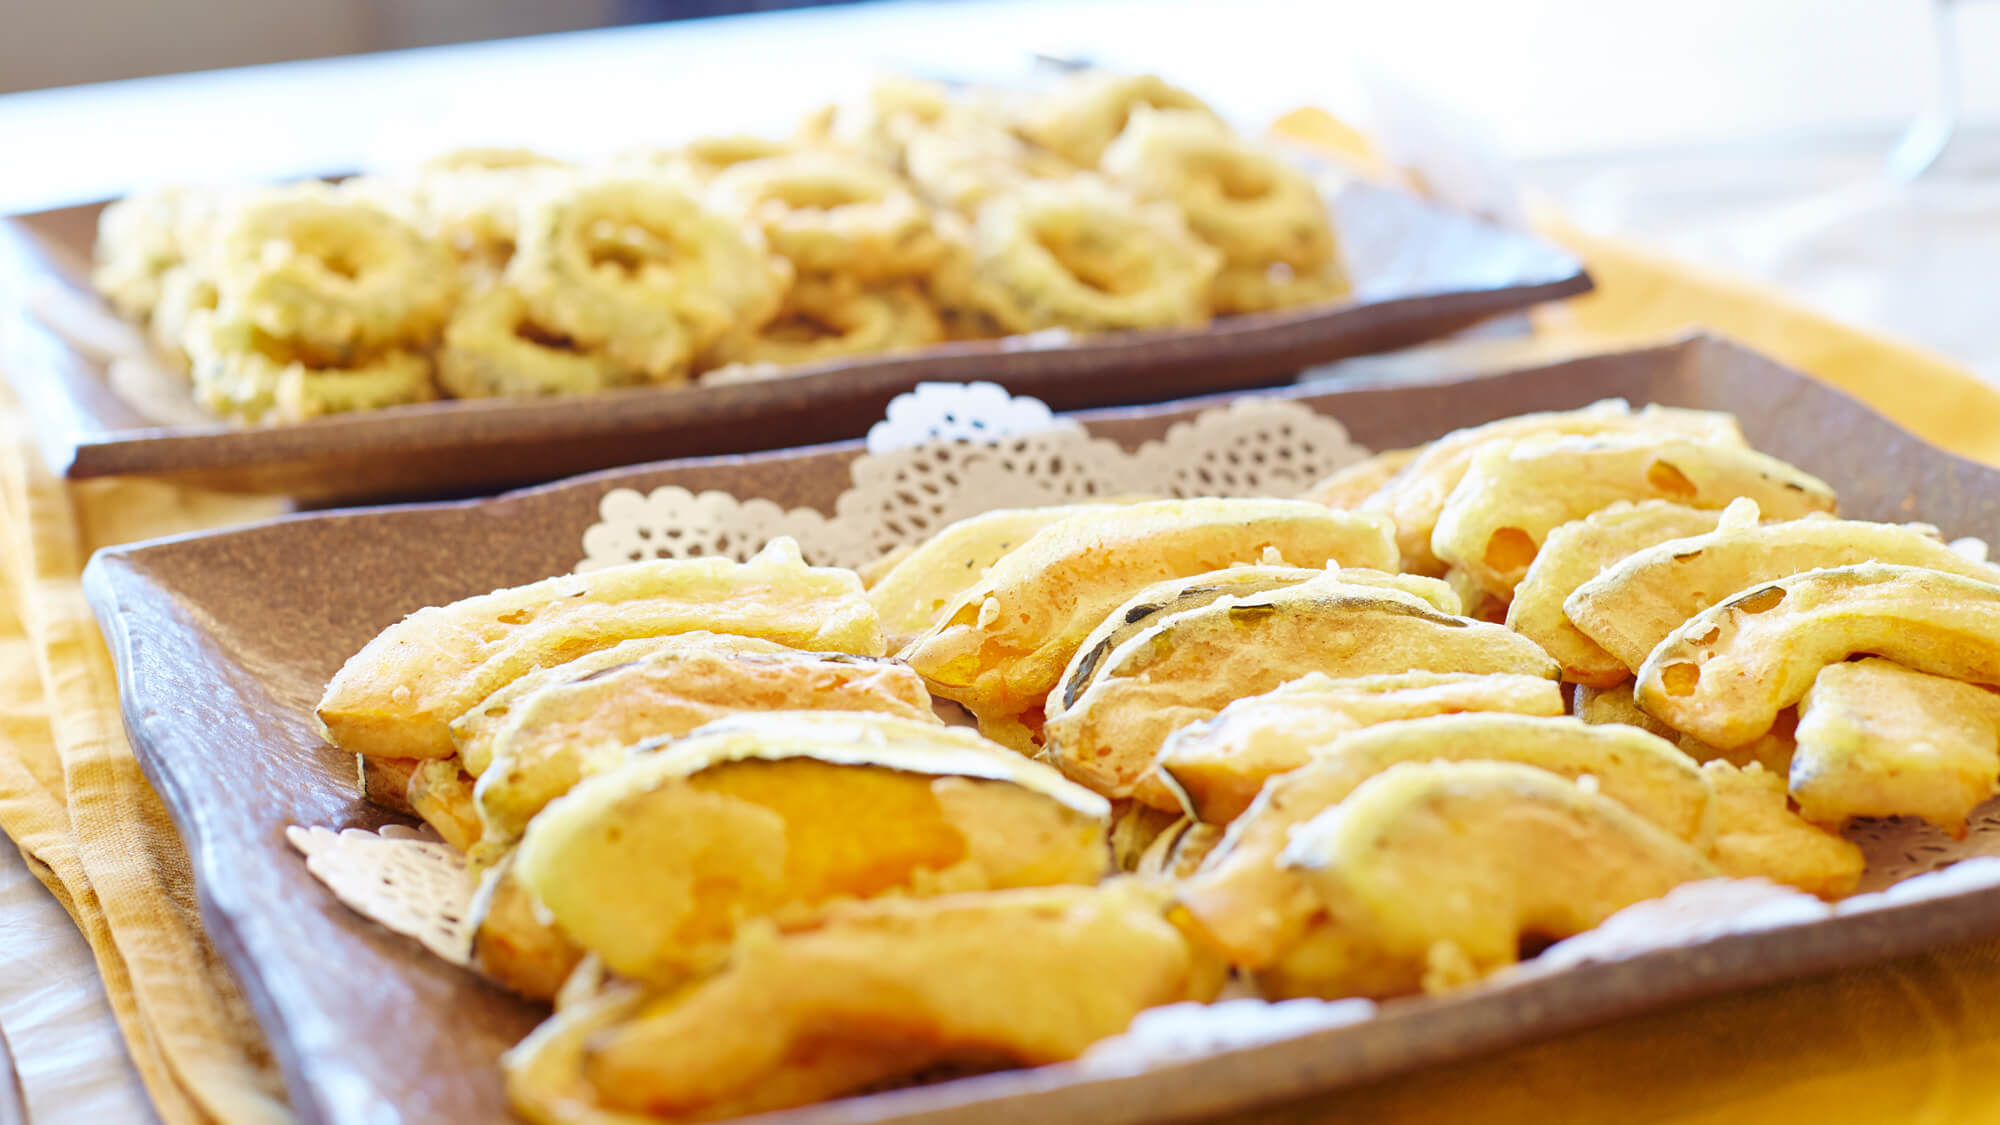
(223, 643)
(1421, 273)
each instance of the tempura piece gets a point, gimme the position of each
(397, 697)
(1877, 739)
(656, 864)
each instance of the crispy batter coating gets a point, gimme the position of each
(1432, 875)
(1417, 494)
(1221, 764)
(1003, 643)
(1192, 663)
(552, 738)
(1758, 835)
(1512, 496)
(397, 697)
(1633, 605)
(1878, 739)
(875, 992)
(1253, 910)
(1725, 674)
(1082, 255)
(655, 864)
(1079, 118)
(830, 213)
(1576, 552)
(1246, 201)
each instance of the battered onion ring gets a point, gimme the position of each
(881, 122)
(962, 167)
(1080, 254)
(829, 317)
(639, 269)
(331, 274)
(702, 159)
(834, 213)
(490, 160)
(470, 199)
(1249, 289)
(184, 291)
(493, 348)
(1238, 197)
(1079, 119)
(243, 373)
(142, 237)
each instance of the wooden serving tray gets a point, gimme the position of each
(223, 643)
(1421, 273)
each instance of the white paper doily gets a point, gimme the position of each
(951, 450)
(407, 879)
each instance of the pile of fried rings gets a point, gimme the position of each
(908, 217)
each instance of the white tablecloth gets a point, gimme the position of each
(71, 1062)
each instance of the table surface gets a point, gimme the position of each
(1595, 101)
(1547, 77)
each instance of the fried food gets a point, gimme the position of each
(1347, 488)
(1253, 910)
(1221, 763)
(494, 347)
(1725, 673)
(332, 278)
(1082, 255)
(474, 732)
(831, 213)
(139, 240)
(1192, 663)
(894, 112)
(638, 268)
(1877, 739)
(1576, 552)
(1757, 835)
(1416, 496)
(385, 782)
(1134, 828)
(1249, 203)
(1003, 643)
(440, 791)
(470, 200)
(243, 373)
(1273, 286)
(961, 167)
(1178, 850)
(512, 944)
(397, 697)
(655, 864)
(1156, 603)
(1616, 705)
(552, 738)
(832, 317)
(1773, 749)
(704, 158)
(1512, 496)
(1632, 606)
(184, 292)
(1079, 118)
(874, 992)
(917, 587)
(1432, 876)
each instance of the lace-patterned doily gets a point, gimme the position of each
(951, 450)
(1179, 1032)
(959, 412)
(407, 879)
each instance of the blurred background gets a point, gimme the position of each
(1839, 148)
